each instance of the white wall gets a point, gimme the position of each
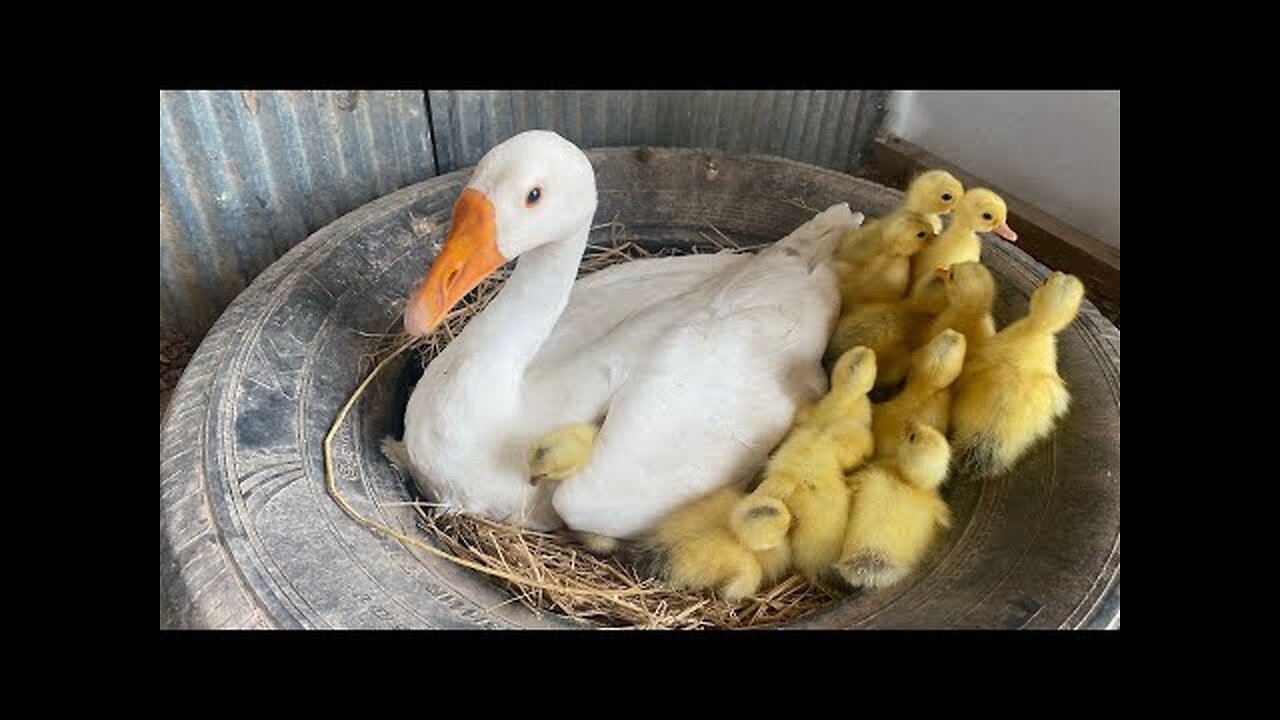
(1059, 150)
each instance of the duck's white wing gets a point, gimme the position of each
(604, 300)
(613, 316)
(710, 397)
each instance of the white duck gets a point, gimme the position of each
(692, 365)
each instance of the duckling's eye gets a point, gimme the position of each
(920, 234)
(533, 197)
(911, 437)
(986, 216)
(946, 197)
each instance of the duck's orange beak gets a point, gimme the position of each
(469, 255)
(1006, 232)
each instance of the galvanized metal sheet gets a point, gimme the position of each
(244, 176)
(813, 126)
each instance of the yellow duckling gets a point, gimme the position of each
(891, 330)
(980, 210)
(694, 549)
(970, 291)
(851, 377)
(878, 268)
(561, 454)
(803, 500)
(896, 510)
(1010, 394)
(932, 193)
(926, 398)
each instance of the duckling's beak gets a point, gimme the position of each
(469, 255)
(942, 273)
(1006, 232)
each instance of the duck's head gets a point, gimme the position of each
(934, 191)
(855, 371)
(985, 211)
(536, 188)
(923, 455)
(969, 285)
(907, 233)
(939, 362)
(1055, 303)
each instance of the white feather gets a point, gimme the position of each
(696, 365)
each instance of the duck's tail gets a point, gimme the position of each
(817, 239)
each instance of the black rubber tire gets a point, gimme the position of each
(249, 538)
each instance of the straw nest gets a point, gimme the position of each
(552, 572)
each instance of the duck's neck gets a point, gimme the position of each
(511, 330)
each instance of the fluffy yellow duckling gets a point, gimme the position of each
(970, 291)
(980, 210)
(1010, 394)
(878, 268)
(852, 376)
(694, 549)
(932, 193)
(803, 500)
(561, 454)
(926, 398)
(891, 330)
(896, 510)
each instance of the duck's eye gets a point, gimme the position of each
(920, 234)
(986, 216)
(946, 197)
(533, 197)
(911, 437)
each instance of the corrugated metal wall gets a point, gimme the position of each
(813, 126)
(244, 176)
